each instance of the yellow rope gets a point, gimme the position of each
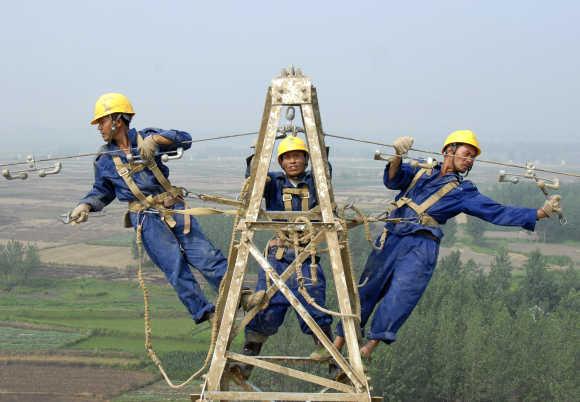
(220, 301)
(147, 320)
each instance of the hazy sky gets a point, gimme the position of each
(507, 69)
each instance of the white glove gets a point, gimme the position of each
(80, 214)
(148, 148)
(552, 205)
(403, 144)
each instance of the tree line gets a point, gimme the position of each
(527, 194)
(477, 335)
(487, 337)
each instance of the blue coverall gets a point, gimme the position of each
(395, 277)
(169, 248)
(267, 321)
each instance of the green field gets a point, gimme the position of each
(470, 326)
(24, 339)
(100, 319)
(107, 309)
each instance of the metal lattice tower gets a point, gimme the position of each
(290, 89)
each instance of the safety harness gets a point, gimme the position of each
(160, 202)
(420, 209)
(295, 239)
(301, 192)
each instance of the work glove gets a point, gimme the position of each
(402, 145)
(80, 214)
(148, 148)
(552, 205)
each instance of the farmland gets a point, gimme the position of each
(76, 325)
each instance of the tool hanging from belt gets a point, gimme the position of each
(160, 202)
(420, 209)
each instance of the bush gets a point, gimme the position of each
(17, 262)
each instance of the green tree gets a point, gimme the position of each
(31, 261)
(475, 228)
(17, 262)
(538, 287)
(496, 285)
(450, 231)
(526, 194)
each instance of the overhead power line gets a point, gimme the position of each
(359, 140)
(83, 155)
(479, 160)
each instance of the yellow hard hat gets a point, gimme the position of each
(110, 103)
(291, 143)
(463, 137)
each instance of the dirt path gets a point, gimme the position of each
(25, 382)
(483, 260)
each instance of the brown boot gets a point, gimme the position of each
(252, 347)
(321, 354)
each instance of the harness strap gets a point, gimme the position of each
(126, 170)
(416, 178)
(157, 203)
(420, 209)
(152, 166)
(428, 203)
(381, 240)
(302, 192)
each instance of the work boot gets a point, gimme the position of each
(321, 354)
(337, 374)
(251, 299)
(207, 316)
(252, 347)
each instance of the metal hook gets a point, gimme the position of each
(170, 156)
(165, 156)
(290, 113)
(542, 183)
(8, 176)
(32, 167)
(54, 170)
(31, 161)
(429, 163)
(503, 177)
(378, 156)
(66, 217)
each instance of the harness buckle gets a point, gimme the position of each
(124, 171)
(286, 197)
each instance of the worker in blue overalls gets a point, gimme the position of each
(173, 242)
(290, 190)
(396, 275)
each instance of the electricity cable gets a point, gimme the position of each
(363, 141)
(491, 162)
(58, 158)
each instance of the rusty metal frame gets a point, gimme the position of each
(292, 88)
